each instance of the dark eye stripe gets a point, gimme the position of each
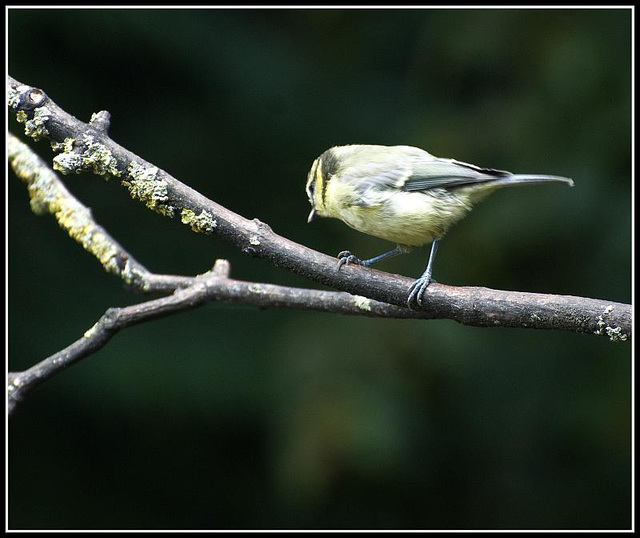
(328, 167)
(320, 181)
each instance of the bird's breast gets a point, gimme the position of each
(405, 218)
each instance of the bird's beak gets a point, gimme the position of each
(312, 215)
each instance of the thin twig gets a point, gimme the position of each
(212, 286)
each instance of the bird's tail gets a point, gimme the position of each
(532, 179)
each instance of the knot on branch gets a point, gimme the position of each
(26, 98)
(31, 110)
(101, 121)
(221, 268)
(262, 227)
(109, 319)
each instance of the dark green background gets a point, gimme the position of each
(232, 418)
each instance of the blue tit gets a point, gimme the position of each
(404, 195)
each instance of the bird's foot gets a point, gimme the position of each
(416, 291)
(345, 257)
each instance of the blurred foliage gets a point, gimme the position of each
(228, 417)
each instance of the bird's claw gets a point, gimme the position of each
(345, 257)
(416, 291)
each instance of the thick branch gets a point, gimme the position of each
(86, 147)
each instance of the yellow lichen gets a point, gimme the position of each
(144, 185)
(48, 195)
(95, 158)
(202, 223)
(363, 303)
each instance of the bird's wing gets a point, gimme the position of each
(419, 174)
(446, 173)
(378, 175)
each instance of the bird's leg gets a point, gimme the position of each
(418, 288)
(345, 257)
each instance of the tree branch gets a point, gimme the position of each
(214, 285)
(86, 147)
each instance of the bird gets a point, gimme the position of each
(404, 195)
